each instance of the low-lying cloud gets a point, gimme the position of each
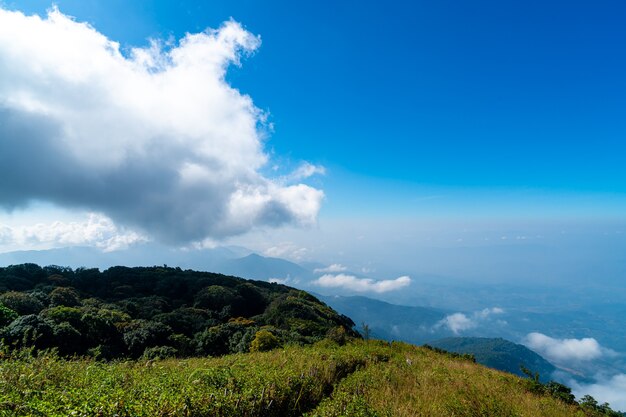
(330, 268)
(460, 322)
(352, 283)
(562, 351)
(155, 139)
(610, 390)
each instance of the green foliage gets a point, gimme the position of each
(263, 341)
(30, 330)
(125, 312)
(338, 335)
(141, 334)
(22, 303)
(464, 356)
(64, 296)
(159, 352)
(560, 391)
(357, 379)
(497, 353)
(61, 313)
(564, 394)
(6, 315)
(590, 404)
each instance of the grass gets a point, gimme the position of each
(359, 379)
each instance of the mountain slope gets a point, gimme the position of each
(499, 354)
(358, 379)
(389, 321)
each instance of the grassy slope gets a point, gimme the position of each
(360, 379)
(498, 353)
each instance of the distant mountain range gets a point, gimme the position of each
(230, 260)
(387, 321)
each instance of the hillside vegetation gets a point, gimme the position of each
(358, 379)
(163, 342)
(155, 312)
(498, 353)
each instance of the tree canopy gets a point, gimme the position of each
(155, 312)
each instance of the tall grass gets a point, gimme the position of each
(360, 379)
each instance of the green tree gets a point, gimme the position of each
(560, 391)
(263, 341)
(22, 303)
(7, 315)
(64, 296)
(142, 334)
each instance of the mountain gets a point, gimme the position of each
(231, 260)
(389, 321)
(259, 267)
(140, 255)
(499, 354)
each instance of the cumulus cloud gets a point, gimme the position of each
(562, 351)
(330, 268)
(96, 230)
(155, 139)
(350, 282)
(459, 322)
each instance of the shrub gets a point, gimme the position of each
(159, 352)
(263, 341)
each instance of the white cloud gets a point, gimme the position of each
(459, 322)
(562, 351)
(486, 312)
(330, 268)
(610, 390)
(156, 140)
(353, 283)
(96, 230)
(286, 250)
(304, 171)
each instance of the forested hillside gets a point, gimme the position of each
(155, 312)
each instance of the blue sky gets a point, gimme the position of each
(504, 95)
(422, 110)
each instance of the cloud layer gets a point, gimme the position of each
(352, 283)
(330, 268)
(565, 350)
(610, 390)
(155, 139)
(96, 230)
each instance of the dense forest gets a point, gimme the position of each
(156, 312)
